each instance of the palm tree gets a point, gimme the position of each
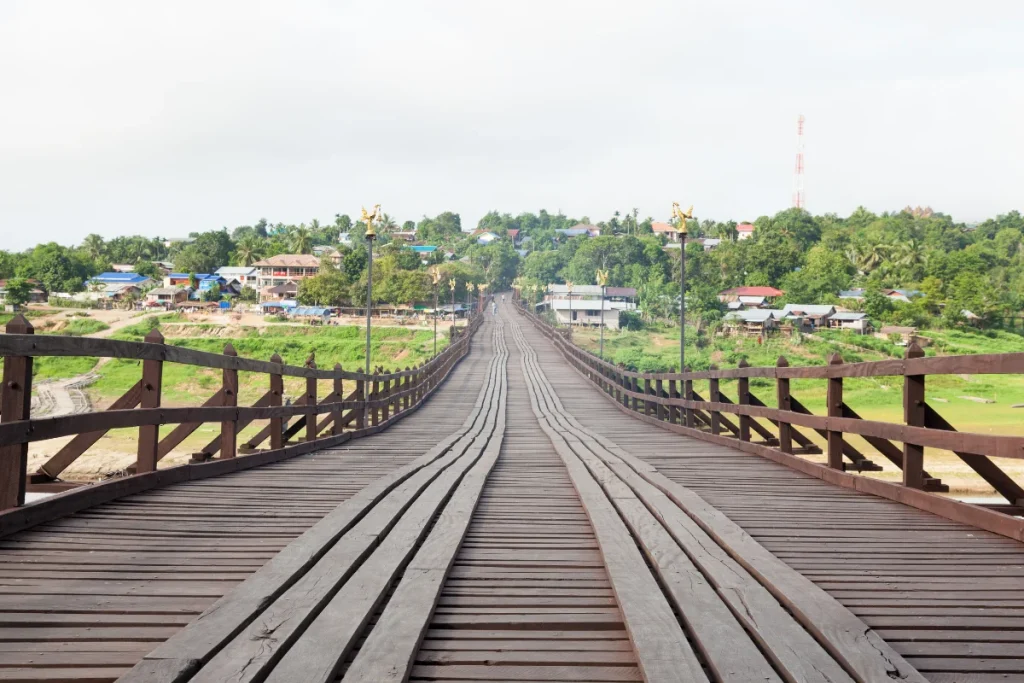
(93, 246)
(387, 223)
(301, 239)
(249, 250)
(870, 257)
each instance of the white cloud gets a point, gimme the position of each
(124, 117)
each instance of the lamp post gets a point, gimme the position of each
(568, 285)
(469, 295)
(682, 216)
(451, 283)
(369, 219)
(437, 278)
(602, 280)
(482, 286)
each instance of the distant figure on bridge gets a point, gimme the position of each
(494, 308)
(502, 298)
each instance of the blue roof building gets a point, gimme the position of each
(120, 279)
(422, 248)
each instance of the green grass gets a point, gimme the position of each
(62, 367)
(392, 347)
(78, 327)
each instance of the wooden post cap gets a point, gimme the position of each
(914, 351)
(835, 359)
(743, 363)
(782, 362)
(19, 324)
(276, 358)
(229, 350)
(154, 337)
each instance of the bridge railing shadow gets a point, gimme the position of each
(783, 433)
(358, 404)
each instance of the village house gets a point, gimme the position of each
(744, 231)
(580, 230)
(848, 320)
(665, 229)
(586, 304)
(755, 322)
(484, 237)
(109, 280)
(245, 276)
(167, 297)
(35, 295)
(750, 294)
(283, 268)
(807, 317)
(183, 279)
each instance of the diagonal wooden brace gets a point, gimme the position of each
(71, 451)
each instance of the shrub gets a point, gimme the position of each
(630, 321)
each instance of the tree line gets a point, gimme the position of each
(956, 267)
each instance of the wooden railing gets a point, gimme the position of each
(670, 399)
(373, 402)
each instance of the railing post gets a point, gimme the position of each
(15, 405)
(311, 414)
(834, 398)
(152, 380)
(339, 396)
(633, 387)
(713, 396)
(914, 415)
(783, 399)
(276, 400)
(648, 391)
(691, 420)
(407, 389)
(361, 412)
(229, 428)
(385, 393)
(374, 395)
(658, 390)
(743, 399)
(673, 411)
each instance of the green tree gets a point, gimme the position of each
(18, 292)
(329, 287)
(211, 294)
(93, 246)
(301, 239)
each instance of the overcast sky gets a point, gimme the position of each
(164, 118)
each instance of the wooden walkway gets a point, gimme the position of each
(85, 597)
(519, 527)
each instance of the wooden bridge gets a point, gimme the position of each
(513, 510)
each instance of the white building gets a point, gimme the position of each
(243, 275)
(744, 231)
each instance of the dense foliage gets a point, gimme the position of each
(812, 258)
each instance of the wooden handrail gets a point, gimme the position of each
(921, 428)
(31, 345)
(403, 391)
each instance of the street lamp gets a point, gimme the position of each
(469, 295)
(436, 275)
(682, 216)
(369, 219)
(451, 283)
(602, 280)
(482, 286)
(568, 285)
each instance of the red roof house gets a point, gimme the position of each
(735, 293)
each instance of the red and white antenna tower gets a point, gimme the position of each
(798, 176)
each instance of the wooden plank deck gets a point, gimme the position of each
(86, 597)
(948, 597)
